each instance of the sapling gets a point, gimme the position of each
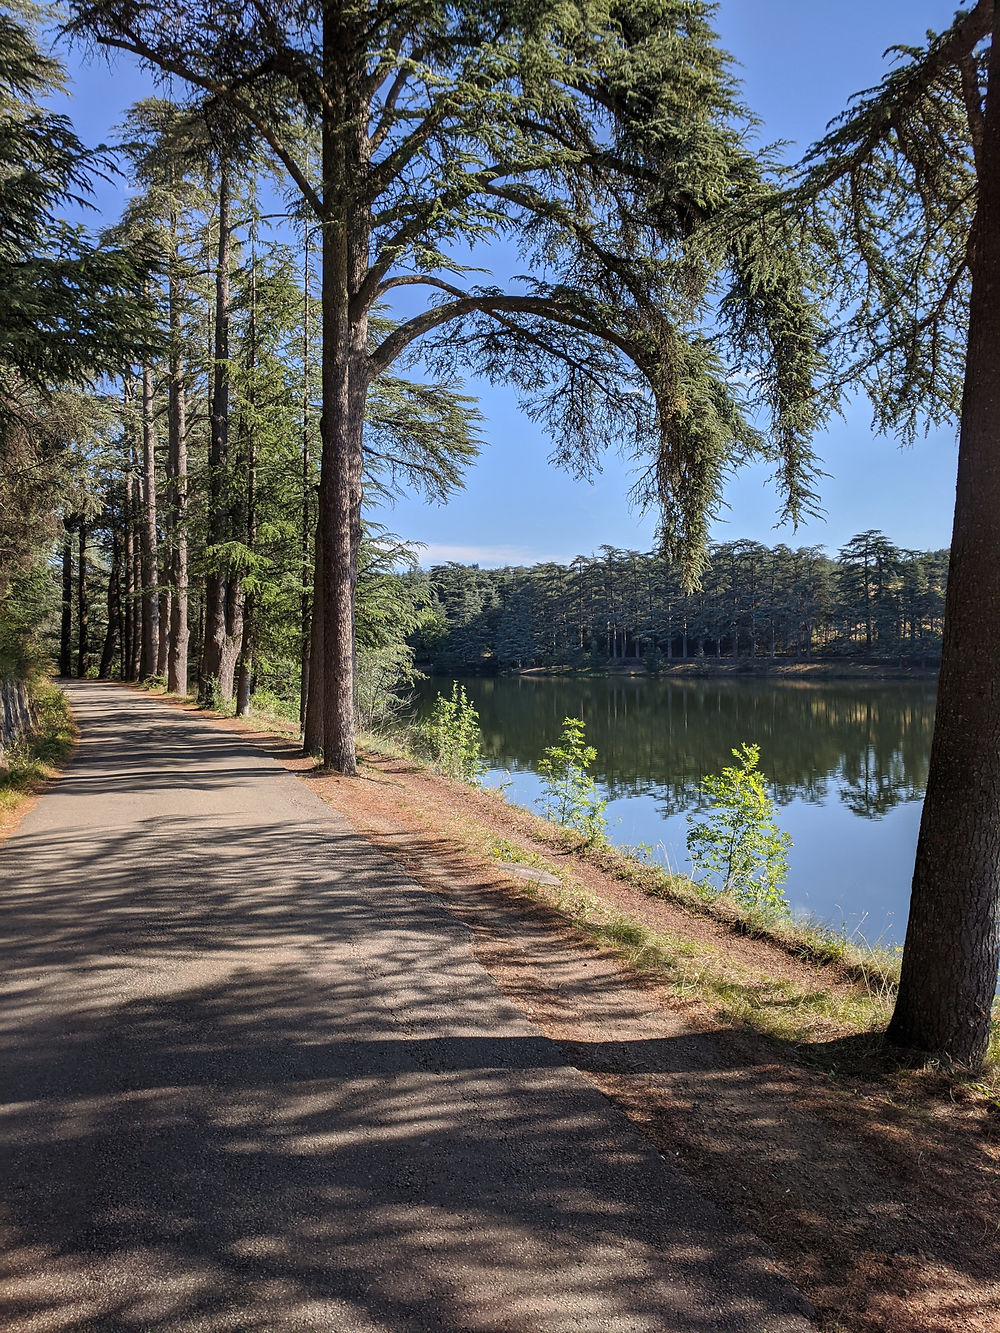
(735, 843)
(570, 793)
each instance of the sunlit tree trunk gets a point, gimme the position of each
(952, 949)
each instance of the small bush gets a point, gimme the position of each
(451, 736)
(570, 793)
(736, 842)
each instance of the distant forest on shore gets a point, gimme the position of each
(872, 602)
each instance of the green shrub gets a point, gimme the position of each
(736, 843)
(452, 737)
(570, 793)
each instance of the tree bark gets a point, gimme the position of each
(66, 633)
(114, 610)
(148, 657)
(223, 597)
(82, 607)
(952, 949)
(123, 603)
(245, 668)
(308, 555)
(135, 581)
(177, 643)
(313, 732)
(344, 378)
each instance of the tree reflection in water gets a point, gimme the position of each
(866, 744)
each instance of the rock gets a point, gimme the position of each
(522, 871)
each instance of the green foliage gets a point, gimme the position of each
(890, 196)
(608, 143)
(213, 698)
(69, 310)
(452, 737)
(31, 759)
(570, 792)
(873, 601)
(738, 844)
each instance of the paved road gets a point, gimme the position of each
(253, 1079)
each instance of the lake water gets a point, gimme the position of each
(846, 763)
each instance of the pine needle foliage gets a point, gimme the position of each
(607, 141)
(890, 196)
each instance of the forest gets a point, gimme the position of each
(873, 602)
(196, 400)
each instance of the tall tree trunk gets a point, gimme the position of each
(177, 643)
(149, 664)
(82, 607)
(223, 600)
(114, 609)
(66, 633)
(342, 421)
(135, 581)
(306, 537)
(245, 667)
(952, 949)
(123, 599)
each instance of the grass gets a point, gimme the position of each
(876, 970)
(737, 994)
(32, 760)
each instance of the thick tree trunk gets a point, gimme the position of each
(308, 555)
(149, 655)
(952, 949)
(82, 607)
(344, 379)
(66, 634)
(177, 643)
(223, 597)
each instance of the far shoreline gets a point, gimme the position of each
(710, 669)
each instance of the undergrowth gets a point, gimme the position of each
(738, 994)
(32, 760)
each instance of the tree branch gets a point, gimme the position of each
(219, 88)
(565, 315)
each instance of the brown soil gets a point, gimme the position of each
(877, 1190)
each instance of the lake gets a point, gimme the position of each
(846, 764)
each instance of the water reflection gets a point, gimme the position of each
(868, 743)
(855, 747)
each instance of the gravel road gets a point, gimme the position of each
(253, 1079)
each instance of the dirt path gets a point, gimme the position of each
(255, 1078)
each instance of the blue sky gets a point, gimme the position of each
(800, 61)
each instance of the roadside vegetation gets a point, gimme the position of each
(32, 760)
